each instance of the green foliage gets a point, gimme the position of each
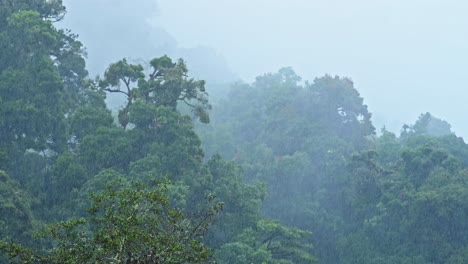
(51, 10)
(170, 138)
(66, 176)
(59, 140)
(296, 138)
(429, 125)
(366, 199)
(164, 87)
(126, 225)
(412, 214)
(108, 147)
(268, 242)
(16, 219)
(31, 118)
(241, 201)
(303, 154)
(42, 73)
(86, 119)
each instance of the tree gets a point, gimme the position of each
(42, 71)
(340, 109)
(86, 119)
(430, 125)
(165, 86)
(16, 221)
(242, 201)
(108, 147)
(133, 224)
(268, 242)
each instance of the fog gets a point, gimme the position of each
(405, 57)
(285, 161)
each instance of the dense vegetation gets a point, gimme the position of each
(365, 198)
(280, 171)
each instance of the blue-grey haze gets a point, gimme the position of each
(405, 57)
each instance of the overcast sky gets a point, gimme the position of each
(405, 57)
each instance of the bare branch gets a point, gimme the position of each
(189, 104)
(116, 91)
(127, 83)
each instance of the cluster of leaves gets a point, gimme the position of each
(409, 208)
(268, 242)
(128, 223)
(166, 85)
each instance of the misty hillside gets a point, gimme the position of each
(120, 145)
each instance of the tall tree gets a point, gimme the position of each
(166, 85)
(42, 69)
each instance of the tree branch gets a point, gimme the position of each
(116, 91)
(155, 74)
(268, 239)
(127, 83)
(189, 104)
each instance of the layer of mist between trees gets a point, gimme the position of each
(278, 171)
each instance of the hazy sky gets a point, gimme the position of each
(405, 57)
